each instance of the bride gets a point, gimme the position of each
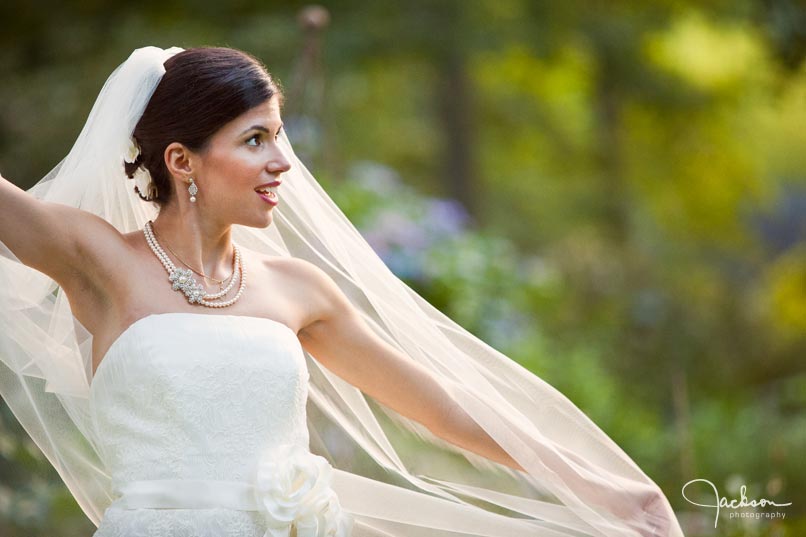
(190, 327)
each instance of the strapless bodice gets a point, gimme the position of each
(182, 395)
(189, 401)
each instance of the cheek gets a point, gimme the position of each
(235, 167)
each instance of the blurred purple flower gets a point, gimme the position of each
(405, 264)
(446, 217)
(376, 177)
(392, 228)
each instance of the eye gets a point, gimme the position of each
(255, 137)
(277, 136)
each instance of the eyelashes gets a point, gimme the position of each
(259, 138)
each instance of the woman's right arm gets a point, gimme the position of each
(52, 238)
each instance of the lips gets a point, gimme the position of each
(269, 197)
(268, 192)
(268, 185)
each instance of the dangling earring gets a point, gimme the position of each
(192, 190)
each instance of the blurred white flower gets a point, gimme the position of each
(132, 151)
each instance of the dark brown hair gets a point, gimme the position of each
(202, 89)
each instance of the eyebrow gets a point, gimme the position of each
(261, 128)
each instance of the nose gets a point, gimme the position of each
(278, 163)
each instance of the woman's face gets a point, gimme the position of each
(244, 155)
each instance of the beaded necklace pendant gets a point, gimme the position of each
(182, 279)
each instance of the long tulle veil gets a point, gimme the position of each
(577, 481)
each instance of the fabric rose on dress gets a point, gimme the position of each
(292, 487)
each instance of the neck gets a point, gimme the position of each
(203, 244)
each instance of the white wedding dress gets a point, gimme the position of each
(189, 408)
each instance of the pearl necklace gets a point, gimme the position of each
(219, 282)
(183, 280)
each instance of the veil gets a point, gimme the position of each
(390, 473)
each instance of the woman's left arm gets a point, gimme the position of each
(343, 342)
(340, 339)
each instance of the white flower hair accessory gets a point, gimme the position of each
(132, 151)
(145, 186)
(292, 488)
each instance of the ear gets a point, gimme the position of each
(179, 160)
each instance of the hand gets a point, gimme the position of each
(645, 512)
(657, 516)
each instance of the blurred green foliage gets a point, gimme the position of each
(613, 194)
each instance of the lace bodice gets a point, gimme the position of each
(187, 396)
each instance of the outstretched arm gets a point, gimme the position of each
(55, 239)
(343, 342)
(340, 339)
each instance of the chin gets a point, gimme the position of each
(263, 222)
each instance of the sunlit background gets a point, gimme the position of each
(611, 193)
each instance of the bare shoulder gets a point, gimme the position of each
(309, 285)
(315, 277)
(295, 267)
(300, 275)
